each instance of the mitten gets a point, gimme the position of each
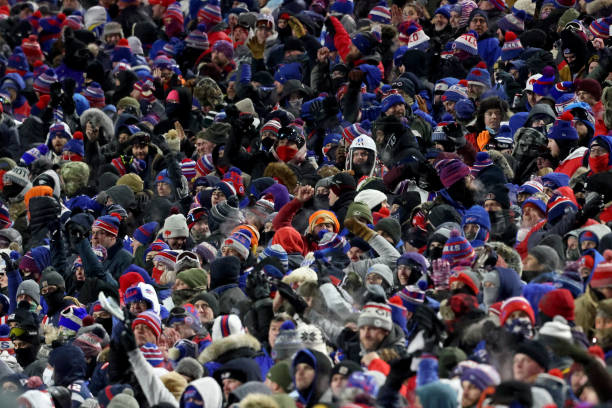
(359, 228)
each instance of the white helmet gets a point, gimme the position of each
(361, 142)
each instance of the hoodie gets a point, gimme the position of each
(319, 390)
(208, 389)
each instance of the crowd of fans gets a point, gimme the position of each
(303, 203)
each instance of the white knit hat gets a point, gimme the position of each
(175, 226)
(376, 315)
(226, 325)
(557, 328)
(371, 197)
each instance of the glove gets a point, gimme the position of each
(317, 111)
(183, 190)
(127, 339)
(297, 27)
(593, 205)
(142, 200)
(290, 296)
(10, 264)
(232, 114)
(400, 372)
(455, 133)
(257, 286)
(441, 274)
(256, 48)
(359, 228)
(340, 156)
(56, 94)
(43, 210)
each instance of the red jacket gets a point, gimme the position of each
(283, 219)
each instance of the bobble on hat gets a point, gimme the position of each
(512, 47)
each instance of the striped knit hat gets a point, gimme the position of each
(150, 319)
(412, 297)
(482, 161)
(600, 27)
(210, 13)
(174, 14)
(144, 233)
(95, 95)
(198, 39)
(166, 257)
(412, 34)
(513, 22)
(561, 89)
(512, 47)
(271, 126)
(380, 14)
(226, 325)
(602, 276)
(31, 47)
(455, 93)
(122, 51)
(188, 167)
(275, 251)
(152, 354)
(531, 187)
(479, 75)
(467, 42)
(71, 319)
(74, 21)
(557, 206)
(514, 304)
(458, 251)
(59, 129)
(108, 223)
(204, 165)
(240, 241)
(42, 83)
(349, 133)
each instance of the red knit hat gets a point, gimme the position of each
(602, 277)
(514, 304)
(558, 302)
(587, 261)
(465, 275)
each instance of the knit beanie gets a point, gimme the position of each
(455, 93)
(323, 216)
(600, 27)
(467, 42)
(149, 319)
(109, 392)
(341, 7)
(558, 302)
(108, 223)
(210, 13)
(95, 95)
(225, 48)
(175, 226)
(240, 240)
(133, 181)
(556, 328)
(536, 351)
(481, 376)
(42, 83)
(194, 278)
(467, 276)
(512, 47)
(376, 315)
(602, 275)
(51, 277)
(76, 147)
(17, 175)
(380, 14)
(198, 39)
(30, 288)
(412, 34)
(545, 83)
(563, 128)
(479, 76)
(514, 304)
(190, 367)
(275, 251)
(280, 373)
(364, 42)
(589, 85)
(513, 22)
(390, 226)
(226, 325)
(359, 210)
(451, 171)
(458, 251)
(557, 206)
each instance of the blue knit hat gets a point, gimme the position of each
(59, 129)
(162, 177)
(455, 93)
(122, 51)
(514, 21)
(75, 145)
(464, 109)
(558, 206)
(504, 135)
(390, 100)
(588, 236)
(479, 76)
(563, 128)
(342, 7)
(145, 233)
(483, 160)
(288, 71)
(544, 84)
(536, 203)
(555, 180)
(467, 42)
(380, 14)
(562, 88)
(512, 47)
(363, 42)
(444, 10)
(275, 251)
(458, 251)
(42, 83)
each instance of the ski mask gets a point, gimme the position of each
(267, 143)
(107, 323)
(321, 201)
(54, 300)
(435, 253)
(26, 355)
(521, 326)
(491, 290)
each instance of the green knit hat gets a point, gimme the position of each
(569, 15)
(281, 374)
(359, 210)
(194, 277)
(448, 358)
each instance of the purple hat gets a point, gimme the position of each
(451, 171)
(42, 83)
(198, 39)
(341, 7)
(95, 95)
(544, 84)
(225, 48)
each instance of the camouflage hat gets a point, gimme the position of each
(75, 175)
(130, 103)
(208, 93)
(133, 181)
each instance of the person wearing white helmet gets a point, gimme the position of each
(361, 157)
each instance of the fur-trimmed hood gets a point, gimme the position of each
(283, 173)
(227, 344)
(99, 119)
(510, 256)
(500, 160)
(258, 401)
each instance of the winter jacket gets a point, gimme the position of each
(92, 266)
(117, 260)
(284, 218)
(341, 206)
(156, 392)
(319, 391)
(387, 255)
(232, 347)
(230, 296)
(585, 309)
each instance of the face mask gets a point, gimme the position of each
(107, 323)
(599, 164)
(321, 201)
(521, 326)
(157, 273)
(54, 300)
(47, 376)
(12, 191)
(25, 356)
(435, 253)
(528, 275)
(266, 144)
(286, 153)
(181, 296)
(171, 109)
